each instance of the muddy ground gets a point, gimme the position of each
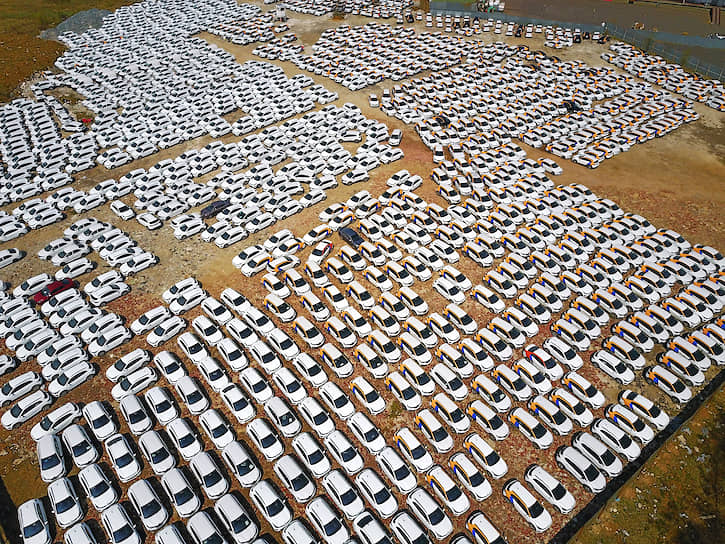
(674, 181)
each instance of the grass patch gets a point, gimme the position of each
(22, 52)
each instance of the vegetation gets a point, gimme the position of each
(22, 52)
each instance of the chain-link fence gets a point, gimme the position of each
(672, 47)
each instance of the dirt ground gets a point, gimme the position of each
(674, 181)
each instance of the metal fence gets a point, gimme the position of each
(672, 47)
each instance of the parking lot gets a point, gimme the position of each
(672, 181)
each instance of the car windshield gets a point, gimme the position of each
(440, 434)
(453, 493)
(267, 441)
(80, 448)
(332, 527)
(348, 454)
(299, 481)
(240, 523)
(315, 457)
(64, 505)
(49, 462)
(150, 508)
(539, 430)
(608, 457)
(186, 440)
(123, 533)
(33, 529)
(124, 460)
(245, 467)
(536, 509)
(211, 478)
(418, 452)
(436, 516)
(98, 489)
(348, 496)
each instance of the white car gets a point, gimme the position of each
(133, 383)
(19, 386)
(527, 506)
(374, 490)
(241, 464)
(166, 330)
(122, 457)
(51, 460)
(75, 268)
(449, 291)
(156, 452)
(82, 450)
(429, 513)
(209, 476)
(118, 526)
(107, 293)
(109, 340)
(550, 488)
(207, 330)
(64, 502)
(71, 378)
(99, 418)
(180, 492)
(367, 395)
(150, 319)
(324, 518)
(218, 429)
(343, 494)
(184, 437)
(150, 509)
(187, 300)
(122, 210)
(98, 487)
(265, 439)
(137, 263)
(272, 504)
(295, 479)
(236, 519)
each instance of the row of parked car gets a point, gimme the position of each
(357, 57)
(577, 321)
(383, 9)
(558, 112)
(251, 195)
(89, 234)
(671, 76)
(556, 37)
(234, 516)
(108, 70)
(244, 32)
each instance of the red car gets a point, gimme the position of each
(53, 289)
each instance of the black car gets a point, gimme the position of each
(214, 208)
(351, 236)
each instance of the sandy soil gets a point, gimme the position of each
(674, 181)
